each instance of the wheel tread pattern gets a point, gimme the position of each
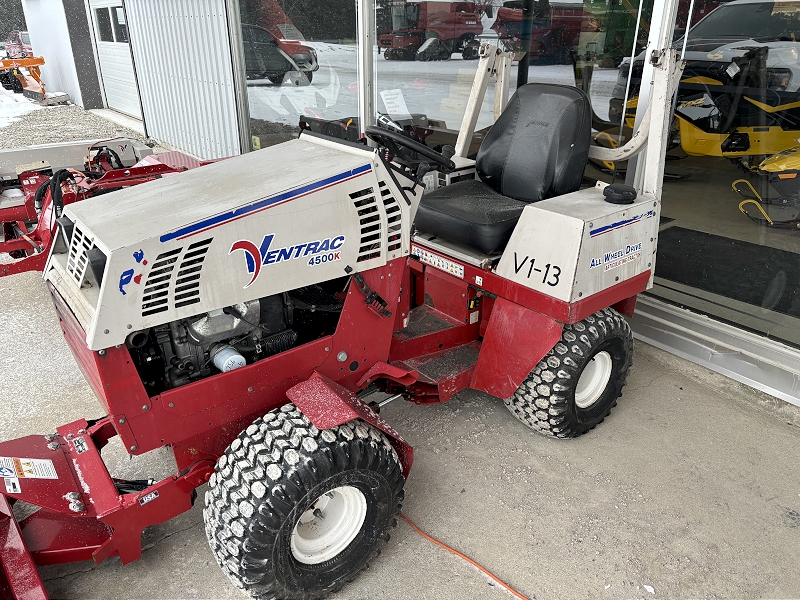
(263, 475)
(542, 400)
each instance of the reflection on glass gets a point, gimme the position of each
(104, 28)
(431, 30)
(730, 239)
(300, 65)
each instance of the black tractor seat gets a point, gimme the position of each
(469, 213)
(537, 149)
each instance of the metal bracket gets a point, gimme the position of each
(668, 70)
(373, 301)
(493, 62)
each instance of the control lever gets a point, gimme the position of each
(373, 301)
(422, 170)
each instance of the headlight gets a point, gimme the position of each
(778, 79)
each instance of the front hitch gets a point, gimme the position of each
(19, 578)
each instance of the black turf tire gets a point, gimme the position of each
(270, 475)
(276, 78)
(545, 401)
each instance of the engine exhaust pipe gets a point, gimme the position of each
(137, 339)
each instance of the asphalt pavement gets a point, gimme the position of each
(688, 490)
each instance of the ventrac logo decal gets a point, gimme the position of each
(316, 252)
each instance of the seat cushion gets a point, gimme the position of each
(469, 213)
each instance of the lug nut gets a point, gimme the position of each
(76, 506)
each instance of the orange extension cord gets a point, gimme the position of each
(466, 558)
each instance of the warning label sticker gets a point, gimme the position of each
(438, 262)
(27, 468)
(12, 485)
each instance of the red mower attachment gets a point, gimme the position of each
(29, 210)
(19, 578)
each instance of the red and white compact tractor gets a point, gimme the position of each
(240, 314)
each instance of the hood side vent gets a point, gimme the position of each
(156, 288)
(187, 283)
(369, 218)
(394, 224)
(78, 258)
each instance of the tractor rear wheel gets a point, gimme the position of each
(575, 386)
(295, 512)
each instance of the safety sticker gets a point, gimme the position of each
(27, 468)
(438, 262)
(80, 445)
(12, 485)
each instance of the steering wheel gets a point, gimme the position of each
(399, 145)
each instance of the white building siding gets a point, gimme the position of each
(47, 25)
(183, 61)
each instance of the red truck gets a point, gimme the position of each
(18, 45)
(432, 31)
(555, 29)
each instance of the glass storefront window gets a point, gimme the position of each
(300, 61)
(431, 48)
(300, 66)
(730, 237)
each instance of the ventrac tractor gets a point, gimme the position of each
(242, 315)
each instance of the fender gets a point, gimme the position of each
(516, 339)
(328, 404)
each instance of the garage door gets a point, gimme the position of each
(114, 54)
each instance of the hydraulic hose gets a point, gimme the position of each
(38, 199)
(56, 194)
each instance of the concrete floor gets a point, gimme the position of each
(689, 487)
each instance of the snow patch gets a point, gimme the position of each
(13, 106)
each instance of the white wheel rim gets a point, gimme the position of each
(593, 380)
(329, 525)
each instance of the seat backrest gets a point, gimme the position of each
(539, 145)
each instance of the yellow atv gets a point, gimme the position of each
(782, 171)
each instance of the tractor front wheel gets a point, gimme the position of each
(295, 512)
(575, 386)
